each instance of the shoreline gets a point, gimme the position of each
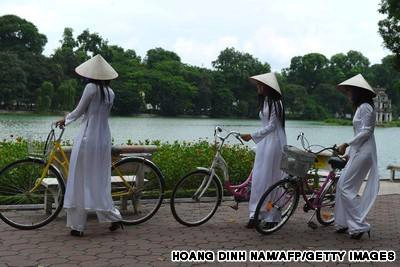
(330, 121)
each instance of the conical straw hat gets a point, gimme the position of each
(357, 81)
(96, 68)
(267, 79)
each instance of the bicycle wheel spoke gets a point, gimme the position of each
(19, 205)
(137, 189)
(276, 206)
(192, 201)
(326, 209)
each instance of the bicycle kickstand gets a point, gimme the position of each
(312, 224)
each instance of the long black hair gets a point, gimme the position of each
(102, 84)
(361, 96)
(274, 100)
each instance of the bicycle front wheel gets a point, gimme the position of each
(326, 210)
(137, 189)
(276, 206)
(196, 198)
(30, 197)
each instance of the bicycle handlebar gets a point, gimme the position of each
(219, 129)
(333, 148)
(307, 147)
(54, 126)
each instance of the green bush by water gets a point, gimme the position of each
(174, 159)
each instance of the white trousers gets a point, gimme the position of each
(348, 208)
(77, 218)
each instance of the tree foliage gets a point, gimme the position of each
(389, 27)
(161, 83)
(20, 35)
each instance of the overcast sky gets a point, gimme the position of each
(272, 30)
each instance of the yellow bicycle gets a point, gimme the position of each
(32, 189)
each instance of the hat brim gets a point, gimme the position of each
(96, 68)
(258, 82)
(342, 89)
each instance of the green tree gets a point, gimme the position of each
(386, 75)
(12, 81)
(45, 96)
(221, 97)
(344, 66)
(68, 56)
(128, 89)
(313, 110)
(93, 43)
(157, 55)
(294, 98)
(236, 68)
(389, 27)
(201, 79)
(332, 101)
(308, 70)
(171, 95)
(20, 35)
(64, 96)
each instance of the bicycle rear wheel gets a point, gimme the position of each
(23, 208)
(139, 195)
(193, 202)
(326, 211)
(276, 206)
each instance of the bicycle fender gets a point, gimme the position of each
(203, 169)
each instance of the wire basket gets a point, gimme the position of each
(41, 148)
(296, 162)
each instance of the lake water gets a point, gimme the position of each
(192, 129)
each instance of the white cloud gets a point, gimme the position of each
(272, 30)
(201, 53)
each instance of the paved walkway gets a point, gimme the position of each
(150, 244)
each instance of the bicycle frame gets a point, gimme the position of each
(302, 181)
(220, 163)
(316, 195)
(64, 163)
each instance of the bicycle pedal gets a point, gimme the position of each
(306, 208)
(312, 225)
(240, 199)
(235, 207)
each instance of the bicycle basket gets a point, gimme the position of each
(41, 148)
(296, 162)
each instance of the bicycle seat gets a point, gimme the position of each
(337, 163)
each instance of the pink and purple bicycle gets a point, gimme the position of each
(280, 200)
(197, 195)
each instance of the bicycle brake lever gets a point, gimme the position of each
(238, 138)
(300, 134)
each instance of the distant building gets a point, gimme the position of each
(383, 106)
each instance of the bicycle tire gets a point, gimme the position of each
(330, 194)
(14, 171)
(143, 204)
(179, 198)
(285, 184)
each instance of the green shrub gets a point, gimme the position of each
(178, 158)
(174, 159)
(11, 150)
(334, 121)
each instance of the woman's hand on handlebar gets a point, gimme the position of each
(60, 123)
(342, 148)
(246, 137)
